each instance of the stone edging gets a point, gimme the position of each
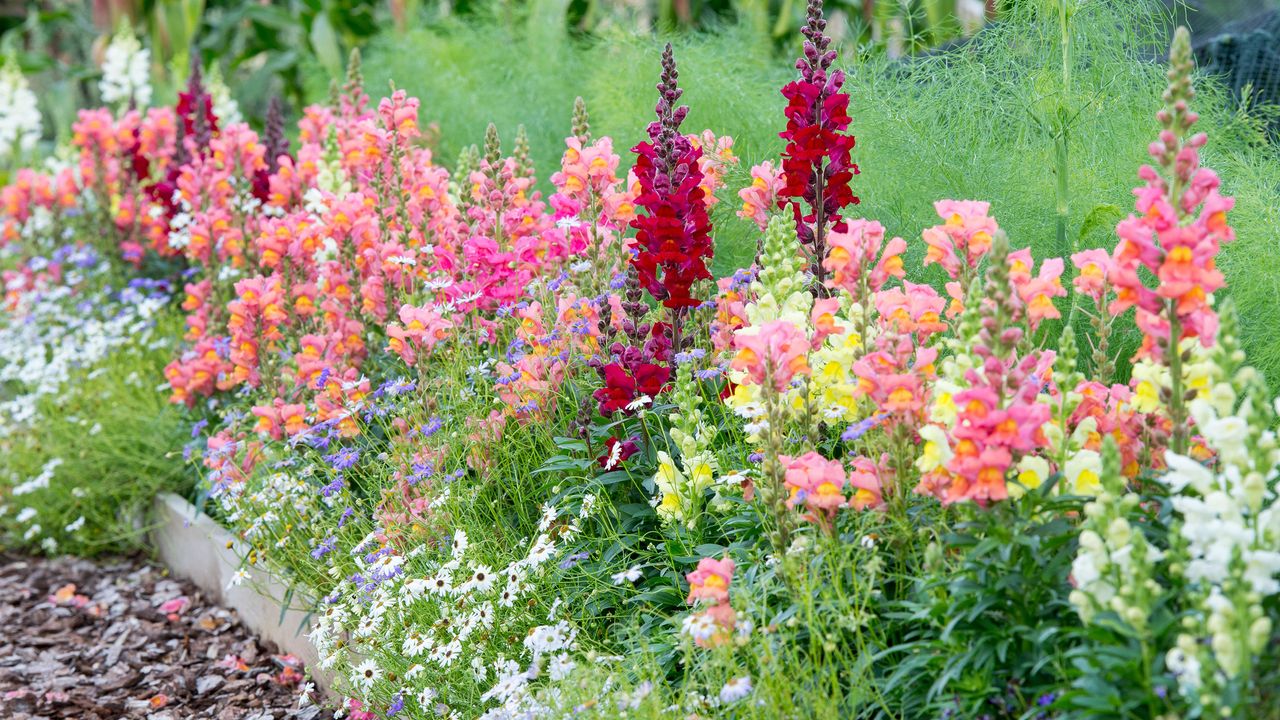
(195, 547)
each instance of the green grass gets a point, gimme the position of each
(969, 123)
(119, 442)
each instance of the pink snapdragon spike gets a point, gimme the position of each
(1181, 255)
(709, 583)
(777, 353)
(717, 156)
(1037, 292)
(399, 114)
(868, 491)
(709, 587)
(991, 434)
(1111, 409)
(761, 196)
(1094, 267)
(280, 419)
(1180, 227)
(911, 309)
(731, 309)
(895, 377)
(419, 331)
(816, 484)
(824, 321)
(854, 257)
(963, 239)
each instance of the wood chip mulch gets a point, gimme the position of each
(117, 638)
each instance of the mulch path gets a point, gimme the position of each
(117, 638)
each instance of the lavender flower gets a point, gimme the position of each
(334, 487)
(432, 427)
(343, 459)
(324, 548)
(574, 559)
(860, 428)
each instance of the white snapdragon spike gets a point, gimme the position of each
(1229, 530)
(20, 125)
(225, 108)
(126, 71)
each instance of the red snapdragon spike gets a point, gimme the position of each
(616, 452)
(673, 237)
(195, 121)
(817, 162)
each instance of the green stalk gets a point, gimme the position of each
(1177, 404)
(1061, 139)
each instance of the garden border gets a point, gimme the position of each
(195, 547)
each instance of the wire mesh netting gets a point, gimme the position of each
(1238, 41)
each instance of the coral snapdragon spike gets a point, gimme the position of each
(1181, 225)
(817, 162)
(673, 236)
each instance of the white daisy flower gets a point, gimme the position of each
(630, 575)
(736, 689)
(366, 674)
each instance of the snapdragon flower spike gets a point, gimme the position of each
(1180, 228)
(673, 236)
(817, 162)
(196, 127)
(709, 586)
(276, 145)
(195, 109)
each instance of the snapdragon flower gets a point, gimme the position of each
(126, 71)
(20, 125)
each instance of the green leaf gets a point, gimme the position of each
(324, 41)
(666, 596)
(1101, 216)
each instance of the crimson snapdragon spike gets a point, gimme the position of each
(195, 121)
(273, 136)
(276, 144)
(817, 161)
(673, 236)
(633, 372)
(195, 112)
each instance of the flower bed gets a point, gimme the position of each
(533, 460)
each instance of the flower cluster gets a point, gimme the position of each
(486, 431)
(20, 117)
(709, 587)
(816, 164)
(126, 71)
(674, 234)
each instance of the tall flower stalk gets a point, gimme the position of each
(1176, 237)
(817, 161)
(673, 235)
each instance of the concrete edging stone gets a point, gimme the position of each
(195, 547)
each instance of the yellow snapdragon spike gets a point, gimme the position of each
(1146, 398)
(1083, 472)
(936, 452)
(1032, 472)
(701, 476)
